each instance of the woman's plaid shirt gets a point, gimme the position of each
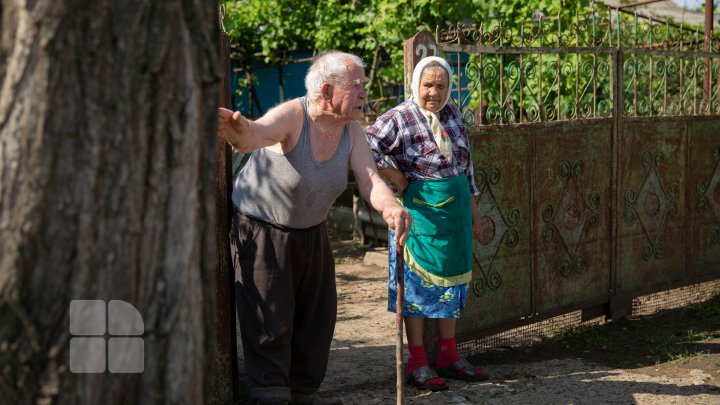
(403, 134)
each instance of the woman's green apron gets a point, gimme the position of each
(439, 247)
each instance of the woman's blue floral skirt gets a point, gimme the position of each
(422, 299)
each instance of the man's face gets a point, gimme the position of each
(348, 98)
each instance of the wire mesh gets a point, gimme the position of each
(641, 306)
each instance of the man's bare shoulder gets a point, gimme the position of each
(358, 140)
(289, 109)
(283, 124)
(355, 128)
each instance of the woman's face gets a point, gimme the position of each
(433, 88)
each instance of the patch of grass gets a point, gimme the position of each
(586, 337)
(693, 337)
(686, 357)
(669, 338)
(708, 309)
(661, 347)
(674, 348)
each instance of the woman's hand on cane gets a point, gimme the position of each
(399, 219)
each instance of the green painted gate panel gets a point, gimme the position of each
(704, 198)
(501, 287)
(598, 157)
(572, 168)
(651, 210)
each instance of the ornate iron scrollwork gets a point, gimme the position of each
(496, 227)
(652, 205)
(568, 222)
(709, 197)
(551, 68)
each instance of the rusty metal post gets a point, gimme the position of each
(421, 45)
(226, 355)
(620, 305)
(707, 81)
(399, 306)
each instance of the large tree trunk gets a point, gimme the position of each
(107, 151)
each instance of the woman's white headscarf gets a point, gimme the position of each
(418, 71)
(439, 135)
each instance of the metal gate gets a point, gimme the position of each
(596, 147)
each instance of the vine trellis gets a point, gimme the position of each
(551, 70)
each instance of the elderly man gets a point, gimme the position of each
(284, 266)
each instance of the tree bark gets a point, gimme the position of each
(107, 154)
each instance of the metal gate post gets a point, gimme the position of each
(620, 306)
(225, 356)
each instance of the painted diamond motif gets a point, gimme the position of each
(486, 248)
(713, 192)
(571, 216)
(653, 204)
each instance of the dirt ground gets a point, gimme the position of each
(668, 358)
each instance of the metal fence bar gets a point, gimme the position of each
(503, 105)
(523, 50)
(660, 82)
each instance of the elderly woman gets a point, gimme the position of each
(422, 149)
(285, 271)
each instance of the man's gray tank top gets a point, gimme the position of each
(293, 189)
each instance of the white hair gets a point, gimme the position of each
(333, 68)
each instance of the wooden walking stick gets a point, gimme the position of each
(399, 303)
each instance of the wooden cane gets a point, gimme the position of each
(399, 304)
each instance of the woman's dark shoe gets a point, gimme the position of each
(425, 379)
(462, 370)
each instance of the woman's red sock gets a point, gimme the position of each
(447, 353)
(416, 358)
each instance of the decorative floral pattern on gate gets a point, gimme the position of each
(709, 197)
(652, 205)
(495, 227)
(573, 215)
